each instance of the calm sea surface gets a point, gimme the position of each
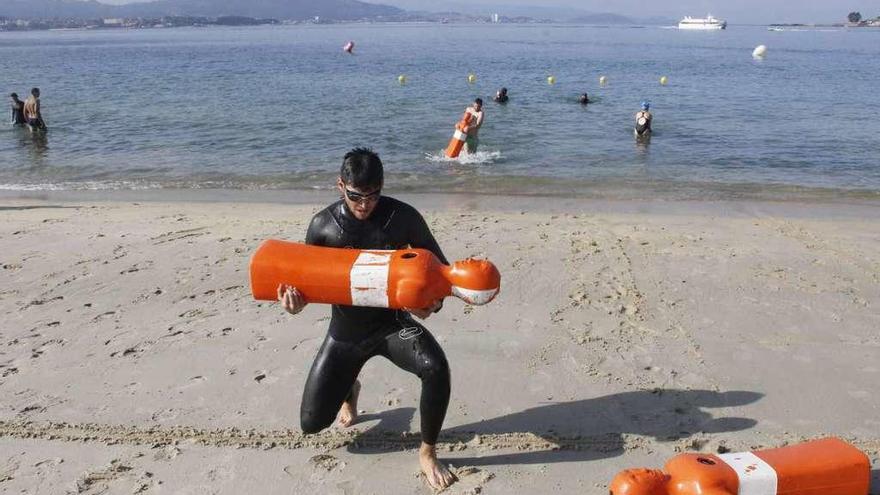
(277, 107)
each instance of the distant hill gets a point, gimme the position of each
(615, 19)
(602, 19)
(277, 9)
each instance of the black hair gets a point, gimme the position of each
(14, 95)
(503, 90)
(35, 91)
(362, 168)
(478, 101)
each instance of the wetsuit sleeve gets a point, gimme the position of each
(316, 234)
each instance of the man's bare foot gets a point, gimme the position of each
(438, 475)
(348, 413)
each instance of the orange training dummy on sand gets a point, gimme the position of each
(821, 467)
(406, 278)
(460, 135)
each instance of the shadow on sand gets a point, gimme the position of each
(586, 429)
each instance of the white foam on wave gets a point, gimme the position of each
(81, 186)
(478, 158)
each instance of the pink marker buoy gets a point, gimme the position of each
(348, 47)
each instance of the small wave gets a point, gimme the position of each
(478, 158)
(81, 186)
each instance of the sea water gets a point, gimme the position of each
(277, 107)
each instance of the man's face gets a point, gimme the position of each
(477, 106)
(361, 202)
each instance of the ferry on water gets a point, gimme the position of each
(709, 23)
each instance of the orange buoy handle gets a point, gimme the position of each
(406, 278)
(828, 466)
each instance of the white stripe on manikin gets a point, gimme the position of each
(369, 279)
(756, 477)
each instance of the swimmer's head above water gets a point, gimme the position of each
(646, 105)
(478, 104)
(360, 181)
(584, 99)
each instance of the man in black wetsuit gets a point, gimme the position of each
(364, 219)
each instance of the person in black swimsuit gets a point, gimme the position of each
(17, 110)
(364, 219)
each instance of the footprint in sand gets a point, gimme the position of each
(164, 415)
(220, 473)
(9, 470)
(264, 378)
(326, 462)
(392, 397)
(193, 382)
(167, 453)
(471, 480)
(118, 477)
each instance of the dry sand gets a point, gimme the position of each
(133, 359)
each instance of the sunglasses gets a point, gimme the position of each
(362, 198)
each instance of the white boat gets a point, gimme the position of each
(709, 23)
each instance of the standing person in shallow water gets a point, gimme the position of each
(17, 107)
(32, 113)
(473, 131)
(364, 219)
(644, 118)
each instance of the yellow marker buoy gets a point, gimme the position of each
(603, 80)
(401, 79)
(551, 80)
(760, 51)
(472, 78)
(664, 80)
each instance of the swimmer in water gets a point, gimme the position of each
(364, 219)
(17, 109)
(584, 99)
(473, 130)
(643, 120)
(501, 96)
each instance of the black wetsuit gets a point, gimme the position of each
(357, 334)
(18, 113)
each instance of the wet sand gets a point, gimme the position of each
(133, 359)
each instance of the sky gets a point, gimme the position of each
(734, 11)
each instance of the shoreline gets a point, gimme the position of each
(598, 193)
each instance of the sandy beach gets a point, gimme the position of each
(134, 360)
